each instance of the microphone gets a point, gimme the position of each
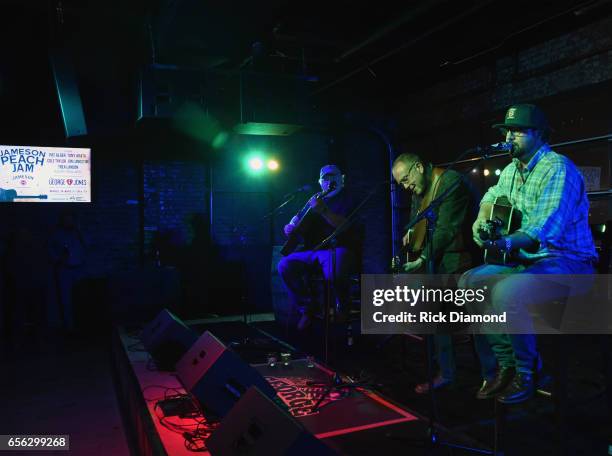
(486, 151)
(302, 189)
(500, 147)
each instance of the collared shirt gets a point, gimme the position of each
(550, 193)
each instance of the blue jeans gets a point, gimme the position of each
(294, 267)
(515, 294)
(445, 357)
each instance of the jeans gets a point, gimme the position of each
(445, 357)
(294, 267)
(516, 294)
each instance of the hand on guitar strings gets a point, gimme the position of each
(479, 225)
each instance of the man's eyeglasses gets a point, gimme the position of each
(515, 131)
(328, 177)
(404, 180)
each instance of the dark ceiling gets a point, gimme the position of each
(380, 51)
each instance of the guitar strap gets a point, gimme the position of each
(417, 238)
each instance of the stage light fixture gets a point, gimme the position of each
(273, 165)
(486, 172)
(255, 163)
(497, 172)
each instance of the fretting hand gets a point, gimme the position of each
(292, 225)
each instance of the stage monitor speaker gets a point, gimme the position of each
(68, 93)
(256, 425)
(167, 338)
(217, 376)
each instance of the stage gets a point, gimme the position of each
(356, 420)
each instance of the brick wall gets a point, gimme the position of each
(174, 192)
(567, 63)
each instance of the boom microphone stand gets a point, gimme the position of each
(243, 236)
(330, 242)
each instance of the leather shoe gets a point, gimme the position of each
(521, 389)
(491, 388)
(438, 383)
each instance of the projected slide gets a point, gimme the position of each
(45, 174)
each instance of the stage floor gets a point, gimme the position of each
(352, 421)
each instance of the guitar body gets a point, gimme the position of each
(407, 254)
(503, 220)
(292, 242)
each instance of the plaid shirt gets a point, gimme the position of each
(550, 193)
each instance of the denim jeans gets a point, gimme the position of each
(445, 357)
(294, 267)
(516, 294)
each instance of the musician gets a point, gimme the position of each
(553, 238)
(452, 245)
(325, 215)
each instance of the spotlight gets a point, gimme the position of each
(255, 163)
(486, 172)
(273, 165)
(497, 172)
(474, 170)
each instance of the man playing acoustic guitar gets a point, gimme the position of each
(324, 212)
(451, 245)
(553, 238)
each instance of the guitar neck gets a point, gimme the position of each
(42, 197)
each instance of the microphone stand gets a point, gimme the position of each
(243, 237)
(330, 241)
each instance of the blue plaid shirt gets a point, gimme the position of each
(550, 193)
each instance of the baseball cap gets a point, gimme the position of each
(329, 169)
(524, 116)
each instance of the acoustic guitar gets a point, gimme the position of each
(409, 252)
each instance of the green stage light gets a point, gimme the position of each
(255, 163)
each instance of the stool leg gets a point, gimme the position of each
(560, 393)
(500, 428)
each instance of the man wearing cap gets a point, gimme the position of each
(329, 210)
(451, 245)
(553, 238)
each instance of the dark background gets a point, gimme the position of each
(160, 79)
